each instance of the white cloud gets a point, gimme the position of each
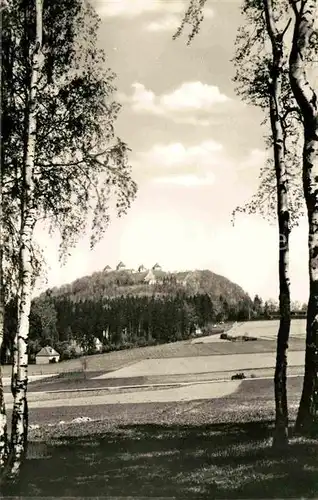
(189, 180)
(185, 104)
(176, 154)
(171, 22)
(133, 8)
(193, 96)
(200, 164)
(166, 23)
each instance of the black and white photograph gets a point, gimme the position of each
(159, 249)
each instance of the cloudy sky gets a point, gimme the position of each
(196, 153)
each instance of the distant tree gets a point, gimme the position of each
(46, 319)
(258, 306)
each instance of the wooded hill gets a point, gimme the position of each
(147, 283)
(124, 309)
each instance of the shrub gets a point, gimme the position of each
(142, 342)
(126, 345)
(224, 336)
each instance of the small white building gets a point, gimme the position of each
(150, 279)
(98, 345)
(46, 355)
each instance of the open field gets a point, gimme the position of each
(166, 421)
(203, 364)
(208, 440)
(216, 448)
(267, 330)
(119, 359)
(169, 461)
(251, 400)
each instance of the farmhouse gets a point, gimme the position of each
(46, 355)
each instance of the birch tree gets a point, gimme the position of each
(260, 61)
(3, 416)
(60, 143)
(304, 42)
(27, 221)
(263, 80)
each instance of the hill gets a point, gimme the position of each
(123, 308)
(156, 282)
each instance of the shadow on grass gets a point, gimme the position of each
(213, 461)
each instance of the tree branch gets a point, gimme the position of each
(294, 6)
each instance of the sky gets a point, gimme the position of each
(196, 154)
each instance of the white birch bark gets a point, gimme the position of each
(276, 117)
(305, 15)
(3, 415)
(28, 219)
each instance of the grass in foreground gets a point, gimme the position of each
(210, 461)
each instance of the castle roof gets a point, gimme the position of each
(121, 265)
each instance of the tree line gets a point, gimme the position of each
(119, 322)
(128, 321)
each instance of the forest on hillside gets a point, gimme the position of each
(120, 322)
(127, 321)
(128, 282)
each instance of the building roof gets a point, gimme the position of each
(156, 267)
(121, 265)
(141, 268)
(107, 268)
(47, 351)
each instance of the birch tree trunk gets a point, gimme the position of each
(3, 415)
(280, 438)
(28, 218)
(306, 97)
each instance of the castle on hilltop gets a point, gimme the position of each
(152, 276)
(141, 269)
(156, 275)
